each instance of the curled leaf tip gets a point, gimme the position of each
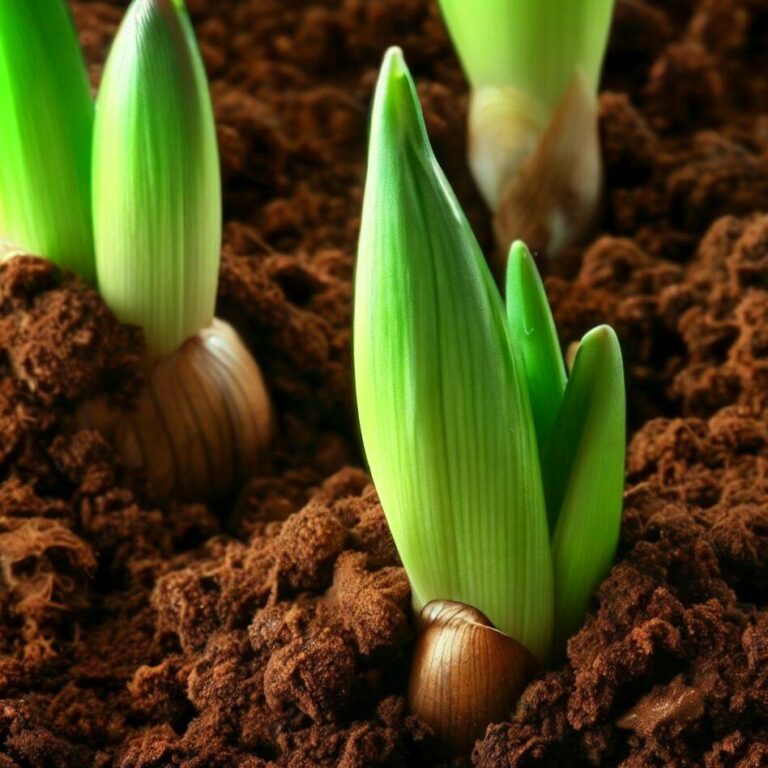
(604, 335)
(394, 77)
(519, 250)
(152, 6)
(521, 265)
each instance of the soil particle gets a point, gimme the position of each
(684, 85)
(310, 542)
(315, 675)
(24, 741)
(60, 345)
(671, 707)
(289, 632)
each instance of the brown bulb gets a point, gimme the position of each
(202, 423)
(554, 198)
(465, 673)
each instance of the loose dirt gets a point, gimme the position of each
(274, 629)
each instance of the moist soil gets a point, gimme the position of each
(274, 629)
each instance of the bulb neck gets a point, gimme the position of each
(505, 125)
(539, 172)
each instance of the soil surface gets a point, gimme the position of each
(274, 630)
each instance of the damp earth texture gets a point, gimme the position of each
(275, 630)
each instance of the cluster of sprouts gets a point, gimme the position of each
(500, 471)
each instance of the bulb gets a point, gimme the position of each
(465, 673)
(202, 423)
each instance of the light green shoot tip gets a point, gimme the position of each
(397, 118)
(532, 328)
(443, 404)
(157, 187)
(46, 125)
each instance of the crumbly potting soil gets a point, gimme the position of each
(274, 629)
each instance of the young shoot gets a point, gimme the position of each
(534, 70)
(501, 477)
(46, 124)
(204, 419)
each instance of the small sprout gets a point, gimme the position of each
(443, 404)
(156, 179)
(534, 70)
(46, 125)
(533, 328)
(583, 470)
(501, 478)
(204, 420)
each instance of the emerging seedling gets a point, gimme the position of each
(533, 69)
(501, 478)
(46, 123)
(204, 419)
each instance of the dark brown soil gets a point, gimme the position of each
(275, 630)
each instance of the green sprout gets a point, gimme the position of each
(156, 179)
(46, 124)
(534, 69)
(133, 202)
(501, 478)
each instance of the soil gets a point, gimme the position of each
(274, 630)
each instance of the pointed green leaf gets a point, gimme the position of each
(157, 188)
(583, 469)
(442, 401)
(530, 45)
(46, 125)
(532, 330)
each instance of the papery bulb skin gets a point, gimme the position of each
(465, 673)
(202, 423)
(543, 179)
(504, 128)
